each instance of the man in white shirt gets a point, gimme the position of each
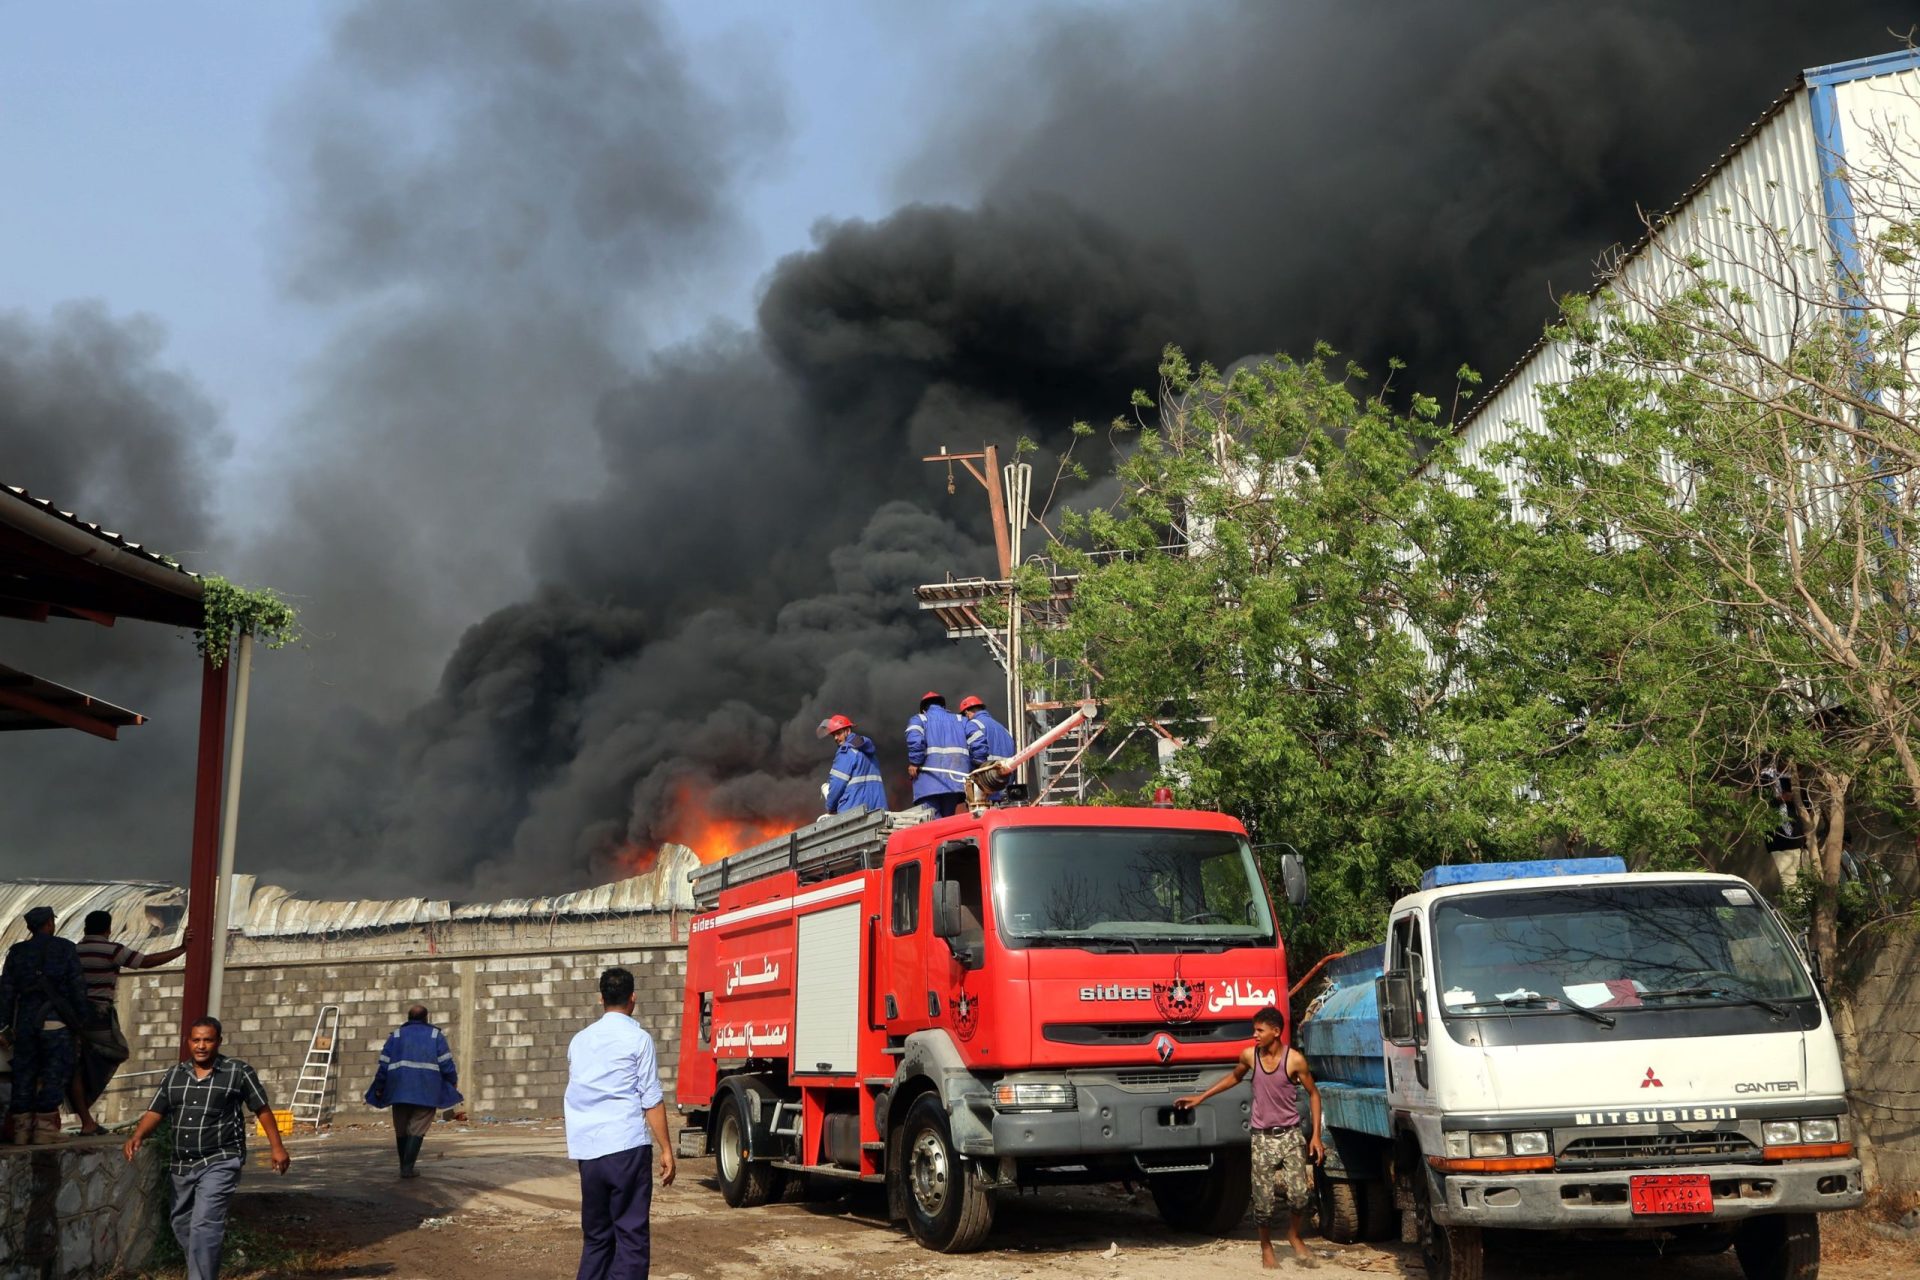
(616, 1122)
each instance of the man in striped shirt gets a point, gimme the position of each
(207, 1098)
(101, 960)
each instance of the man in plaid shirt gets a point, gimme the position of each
(207, 1098)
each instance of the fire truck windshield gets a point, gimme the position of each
(1119, 885)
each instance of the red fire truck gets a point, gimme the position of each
(1010, 997)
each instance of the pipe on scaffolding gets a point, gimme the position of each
(992, 776)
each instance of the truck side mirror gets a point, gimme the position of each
(946, 909)
(1394, 994)
(1293, 879)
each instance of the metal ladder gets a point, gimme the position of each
(1063, 768)
(316, 1073)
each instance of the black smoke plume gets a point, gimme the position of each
(656, 569)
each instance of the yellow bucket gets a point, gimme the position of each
(282, 1120)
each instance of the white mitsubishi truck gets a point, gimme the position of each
(1569, 1047)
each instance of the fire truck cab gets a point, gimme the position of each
(950, 1008)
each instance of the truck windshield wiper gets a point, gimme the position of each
(1715, 993)
(1537, 1002)
(1068, 938)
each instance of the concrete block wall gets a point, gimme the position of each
(508, 1017)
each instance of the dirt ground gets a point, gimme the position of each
(500, 1200)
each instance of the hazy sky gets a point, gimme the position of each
(139, 160)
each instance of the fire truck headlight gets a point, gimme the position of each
(1030, 1096)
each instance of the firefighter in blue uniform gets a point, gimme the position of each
(982, 725)
(983, 731)
(854, 783)
(939, 757)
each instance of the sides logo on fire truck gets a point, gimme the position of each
(966, 1013)
(1179, 1000)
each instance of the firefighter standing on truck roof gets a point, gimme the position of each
(984, 731)
(939, 757)
(854, 782)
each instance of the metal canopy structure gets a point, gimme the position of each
(56, 566)
(29, 702)
(53, 564)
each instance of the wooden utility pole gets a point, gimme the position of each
(989, 479)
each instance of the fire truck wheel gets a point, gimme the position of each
(743, 1182)
(947, 1208)
(1209, 1203)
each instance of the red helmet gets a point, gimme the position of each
(832, 725)
(969, 702)
(931, 695)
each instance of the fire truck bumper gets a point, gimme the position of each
(1109, 1120)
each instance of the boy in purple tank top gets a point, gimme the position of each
(1281, 1152)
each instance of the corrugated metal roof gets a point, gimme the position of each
(105, 535)
(269, 911)
(273, 912)
(145, 913)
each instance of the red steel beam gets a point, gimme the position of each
(205, 872)
(71, 717)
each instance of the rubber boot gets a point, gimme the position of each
(400, 1148)
(409, 1153)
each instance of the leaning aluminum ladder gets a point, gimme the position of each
(316, 1073)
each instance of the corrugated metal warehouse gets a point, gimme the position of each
(1797, 190)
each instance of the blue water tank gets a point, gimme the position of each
(1341, 1037)
(1483, 872)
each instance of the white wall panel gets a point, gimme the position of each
(826, 1016)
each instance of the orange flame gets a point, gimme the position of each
(711, 836)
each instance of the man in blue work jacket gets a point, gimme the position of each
(981, 724)
(983, 731)
(416, 1077)
(853, 784)
(939, 757)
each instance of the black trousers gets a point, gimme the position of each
(616, 1196)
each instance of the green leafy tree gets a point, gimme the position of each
(1280, 589)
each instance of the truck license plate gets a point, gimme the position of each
(1671, 1193)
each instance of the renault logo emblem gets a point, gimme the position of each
(1163, 1045)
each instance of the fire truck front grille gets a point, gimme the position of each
(1154, 1080)
(1623, 1150)
(1110, 1033)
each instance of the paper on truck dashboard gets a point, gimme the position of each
(1615, 993)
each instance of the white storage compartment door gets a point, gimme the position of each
(826, 1013)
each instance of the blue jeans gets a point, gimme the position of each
(616, 1196)
(200, 1198)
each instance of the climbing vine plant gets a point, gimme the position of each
(232, 609)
